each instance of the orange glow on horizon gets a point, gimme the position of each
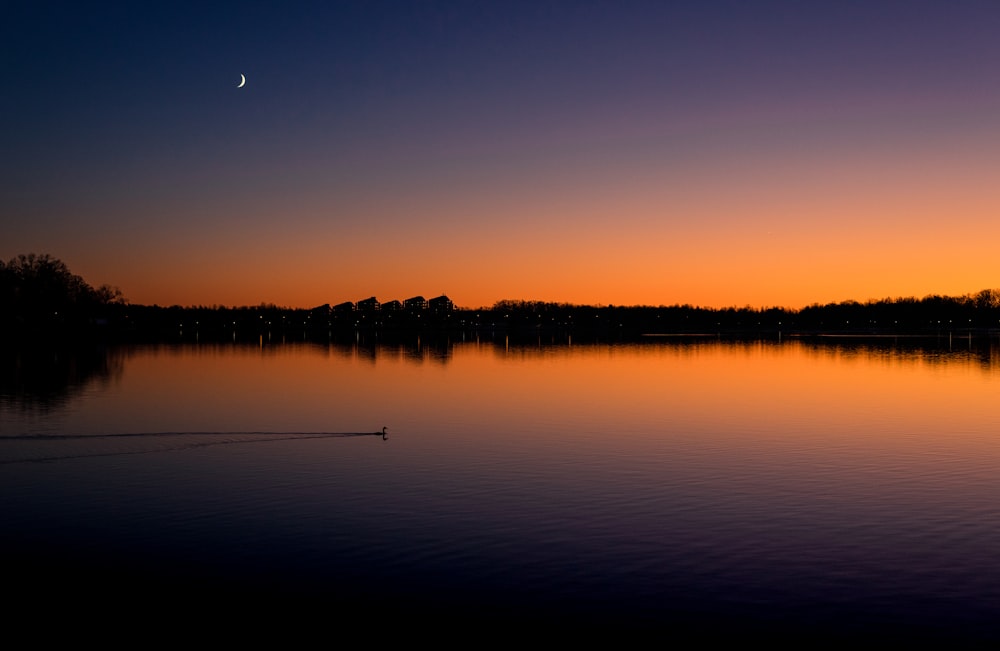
(789, 228)
(666, 156)
(753, 264)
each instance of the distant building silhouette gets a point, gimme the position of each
(441, 305)
(343, 308)
(415, 304)
(368, 305)
(391, 306)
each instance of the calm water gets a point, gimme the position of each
(800, 488)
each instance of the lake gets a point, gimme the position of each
(800, 489)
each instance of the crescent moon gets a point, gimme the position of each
(243, 81)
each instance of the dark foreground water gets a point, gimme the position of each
(801, 491)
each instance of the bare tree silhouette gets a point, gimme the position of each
(38, 293)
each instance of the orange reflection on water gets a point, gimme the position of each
(825, 386)
(761, 390)
(885, 426)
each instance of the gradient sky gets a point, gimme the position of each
(714, 153)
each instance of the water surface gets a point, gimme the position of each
(810, 488)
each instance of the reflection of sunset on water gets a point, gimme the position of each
(655, 391)
(825, 483)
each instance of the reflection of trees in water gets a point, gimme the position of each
(976, 349)
(365, 347)
(980, 351)
(45, 378)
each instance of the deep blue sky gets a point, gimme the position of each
(508, 143)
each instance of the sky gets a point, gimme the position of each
(711, 153)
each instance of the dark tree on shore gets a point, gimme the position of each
(39, 294)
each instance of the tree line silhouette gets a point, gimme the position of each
(41, 297)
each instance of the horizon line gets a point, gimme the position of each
(270, 305)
